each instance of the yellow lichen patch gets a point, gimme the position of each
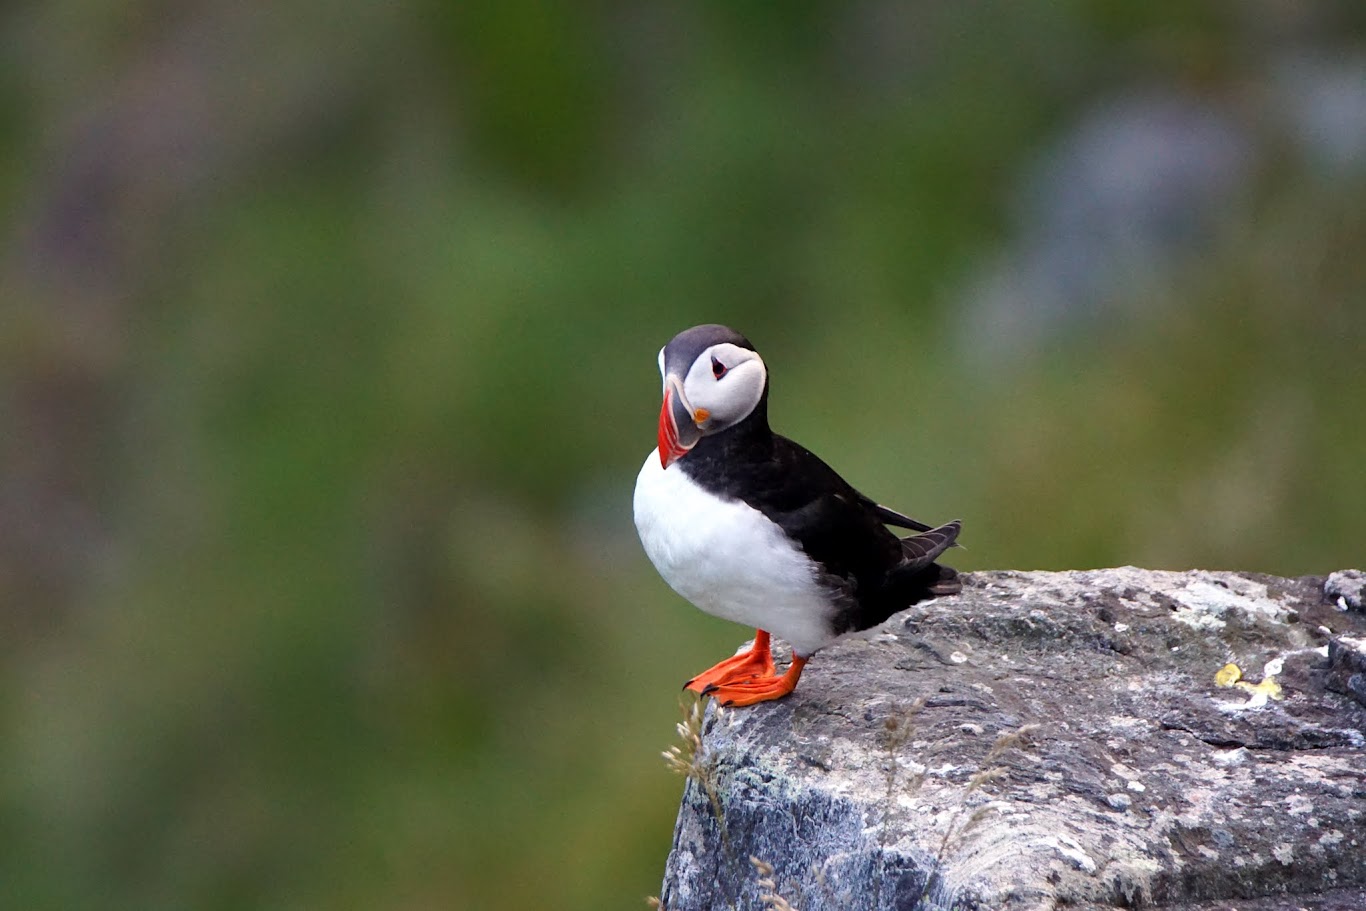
(1268, 688)
(1232, 675)
(1228, 675)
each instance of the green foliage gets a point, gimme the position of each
(328, 363)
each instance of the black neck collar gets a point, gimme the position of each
(748, 441)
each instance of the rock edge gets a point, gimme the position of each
(1048, 740)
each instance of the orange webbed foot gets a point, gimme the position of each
(756, 662)
(762, 689)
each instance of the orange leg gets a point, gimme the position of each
(757, 662)
(762, 689)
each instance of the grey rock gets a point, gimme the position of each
(1119, 801)
(1347, 588)
(1080, 755)
(1347, 667)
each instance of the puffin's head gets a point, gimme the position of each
(713, 379)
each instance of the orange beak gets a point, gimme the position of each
(678, 430)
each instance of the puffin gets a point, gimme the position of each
(749, 526)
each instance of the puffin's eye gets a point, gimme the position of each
(718, 369)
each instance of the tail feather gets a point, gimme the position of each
(923, 549)
(948, 582)
(917, 579)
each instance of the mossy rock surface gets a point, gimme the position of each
(1049, 740)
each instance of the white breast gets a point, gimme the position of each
(729, 559)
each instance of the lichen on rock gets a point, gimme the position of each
(1347, 588)
(1045, 740)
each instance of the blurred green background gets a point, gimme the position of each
(327, 360)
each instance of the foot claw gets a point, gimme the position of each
(754, 664)
(763, 689)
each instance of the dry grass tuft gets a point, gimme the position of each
(691, 759)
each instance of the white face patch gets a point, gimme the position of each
(727, 381)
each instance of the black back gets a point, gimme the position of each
(872, 573)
